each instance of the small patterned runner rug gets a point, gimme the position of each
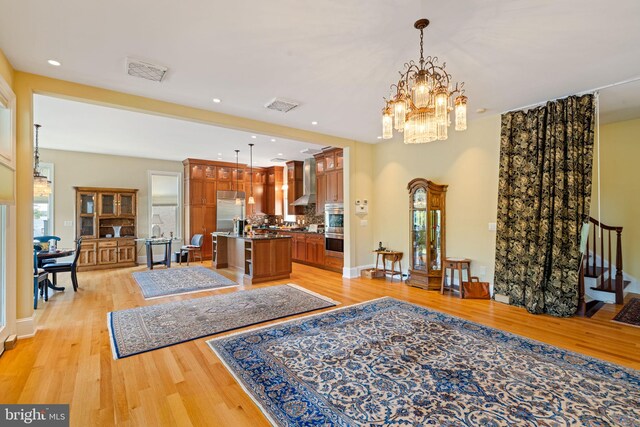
(388, 362)
(630, 314)
(141, 329)
(175, 281)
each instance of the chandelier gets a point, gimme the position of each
(41, 185)
(423, 100)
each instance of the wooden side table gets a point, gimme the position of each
(392, 256)
(455, 264)
(166, 261)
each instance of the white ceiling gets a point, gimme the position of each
(77, 126)
(336, 57)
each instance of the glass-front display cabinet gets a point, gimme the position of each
(86, 205)
(427, 233)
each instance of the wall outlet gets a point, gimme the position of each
(492, 226)
(68, 223)
(362, 209)
(364, 223)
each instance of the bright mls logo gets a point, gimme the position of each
(34, 415)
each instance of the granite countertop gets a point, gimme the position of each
(293, 230)
(256, 237)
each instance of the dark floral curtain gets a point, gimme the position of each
(544, 193)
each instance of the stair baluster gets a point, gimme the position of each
(605, 280)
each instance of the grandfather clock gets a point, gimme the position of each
(427, 216)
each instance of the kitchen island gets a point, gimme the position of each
(261, 258)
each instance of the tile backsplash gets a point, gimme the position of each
(309, 217)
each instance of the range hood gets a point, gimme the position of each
(308, 184)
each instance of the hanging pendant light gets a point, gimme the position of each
(238, 200)
(424, 97)
(251, 199)
(41, 185)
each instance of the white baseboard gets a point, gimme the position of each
(26, 327)
(354, 272)
(502, 298)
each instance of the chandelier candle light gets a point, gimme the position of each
(41, 185)
(424, 97)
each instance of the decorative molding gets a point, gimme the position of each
(25, 327)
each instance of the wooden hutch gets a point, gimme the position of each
(203, 179)
(98, 210)
(427, 219)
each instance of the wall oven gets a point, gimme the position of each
(334, 219)
(334, 228)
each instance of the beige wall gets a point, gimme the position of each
(76, 169)
(468, 163)
(620, 187)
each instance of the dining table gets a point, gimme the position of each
(58, 253)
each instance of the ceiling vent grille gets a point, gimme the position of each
(146, 70)
(309, 151)
(282, 105)
(278, 160)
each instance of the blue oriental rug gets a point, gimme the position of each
(175, 281)
(388, 362)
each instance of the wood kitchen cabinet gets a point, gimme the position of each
(259, 178)
(204, 178)
(329, 178)
(295, 172)
(98, 211)
(308, 248)
(273, 190)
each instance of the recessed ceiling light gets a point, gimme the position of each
(273, 140)
(481, 110)
(219, 158)
(253, 137)
(217, 100)
(379, 137)
(280, 154)
(54, 62)
(314, 123)
(219, 154)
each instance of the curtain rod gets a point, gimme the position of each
(526, 107)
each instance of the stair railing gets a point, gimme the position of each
(603, 275)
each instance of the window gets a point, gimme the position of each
(43, 206)
(165, 209)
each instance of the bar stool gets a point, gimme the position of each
(455, 264)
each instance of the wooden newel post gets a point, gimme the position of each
(619, 277)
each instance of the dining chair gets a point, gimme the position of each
(46, 239)
(195, 247)
(40, 279)
(63, 267)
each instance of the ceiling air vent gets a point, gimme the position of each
(282, 105)
(145, 70)
(278, 160)
(309, 151)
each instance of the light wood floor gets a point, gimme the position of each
(70, 361)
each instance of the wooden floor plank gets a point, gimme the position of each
(70, 360)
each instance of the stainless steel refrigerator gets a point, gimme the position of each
(228, 210)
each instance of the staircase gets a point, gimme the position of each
(601, 268)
